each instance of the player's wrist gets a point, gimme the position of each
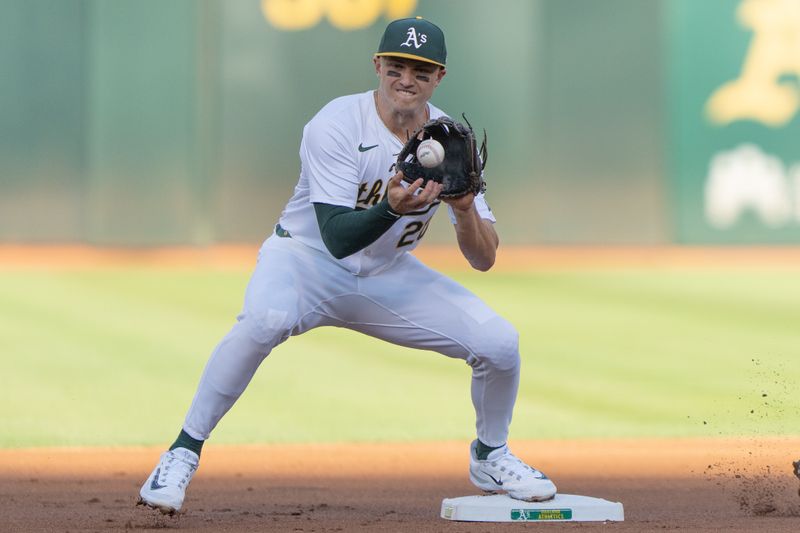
(463, 205)
(385, 209)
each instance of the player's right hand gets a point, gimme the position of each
(404, 199)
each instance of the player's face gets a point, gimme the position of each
(406, 84)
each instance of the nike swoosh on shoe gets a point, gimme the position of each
(154, 484)
(498, 482)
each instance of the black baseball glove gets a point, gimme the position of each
(461, 171)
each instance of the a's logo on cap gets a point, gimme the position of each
(415, 40)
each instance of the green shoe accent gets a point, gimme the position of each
(483, 451)
(185, 441)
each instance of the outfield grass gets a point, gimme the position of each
(111, 357)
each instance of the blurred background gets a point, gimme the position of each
(143, 122)
(616, 126)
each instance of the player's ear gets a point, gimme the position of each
(377, 62)
(440, 74)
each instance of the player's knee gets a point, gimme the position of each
(266, 328)
(499, 346)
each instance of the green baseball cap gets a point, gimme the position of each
(414, 38)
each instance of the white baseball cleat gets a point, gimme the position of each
(504, 471)
(165, 489)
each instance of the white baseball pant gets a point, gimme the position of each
(296, 288)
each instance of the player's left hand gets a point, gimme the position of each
(461, 167)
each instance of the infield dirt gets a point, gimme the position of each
(691, 485)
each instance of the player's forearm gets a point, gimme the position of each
(477, 238)
(346, 231)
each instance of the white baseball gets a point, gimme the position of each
(430, 153)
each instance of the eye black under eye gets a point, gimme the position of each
(422, 77)
(393, 73)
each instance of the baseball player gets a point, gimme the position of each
(339, 256)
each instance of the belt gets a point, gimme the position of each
(280, 232)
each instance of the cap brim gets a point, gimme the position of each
(409, 56)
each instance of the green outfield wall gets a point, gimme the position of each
(142, 122)
(734, 107)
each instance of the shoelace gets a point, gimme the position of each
(515, 467)
(176, 471)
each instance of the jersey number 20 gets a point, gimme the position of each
(414, 231)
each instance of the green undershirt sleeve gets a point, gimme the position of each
(345, 231)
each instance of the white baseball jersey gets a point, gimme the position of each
(346, 159)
